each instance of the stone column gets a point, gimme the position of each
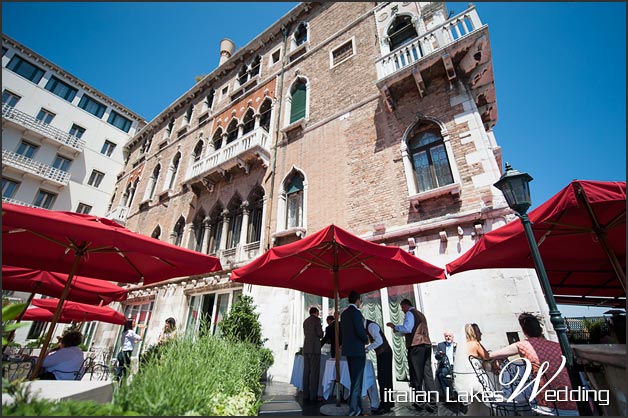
(257, 118)
(225, 229)
(240, 130)
(208, 231)
(173, 237)
(244, 230)
(224, 139)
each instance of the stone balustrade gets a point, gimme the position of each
(425, 44)
(229, 153)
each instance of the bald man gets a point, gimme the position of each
(445, 352)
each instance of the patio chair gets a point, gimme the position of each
(14, 370)
(496, 403)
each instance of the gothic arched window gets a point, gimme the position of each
(401, 31)
(298, 105)
(178, 232)
(264, 114)
(430, 162)
(294, 200)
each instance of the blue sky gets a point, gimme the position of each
(560, 68)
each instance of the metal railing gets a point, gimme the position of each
(438, 38)
(29, 165)
(31, 123)
(257, 138)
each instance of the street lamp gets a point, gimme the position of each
(515, 187)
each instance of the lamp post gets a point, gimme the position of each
(515, 187)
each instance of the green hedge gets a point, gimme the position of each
(203, 376)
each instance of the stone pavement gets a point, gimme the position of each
(282, 398)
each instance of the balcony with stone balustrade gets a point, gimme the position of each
(459, 50)
(118, 214)
(42, 171)
(244, 151)
(26, 122)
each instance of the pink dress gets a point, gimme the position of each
(539, 350)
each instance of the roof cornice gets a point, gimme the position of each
(258, 42)
(75, 80)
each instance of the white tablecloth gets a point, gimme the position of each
(369, 384)
(297, 372)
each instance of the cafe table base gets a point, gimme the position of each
(369, 384)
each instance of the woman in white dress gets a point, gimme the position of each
(466, 383)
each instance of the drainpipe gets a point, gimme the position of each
(284, 32)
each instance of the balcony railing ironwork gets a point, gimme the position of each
(438, 38)
(44, 171)
(32, 124)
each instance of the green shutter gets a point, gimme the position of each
(297, 110)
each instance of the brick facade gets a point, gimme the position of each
(351, 150)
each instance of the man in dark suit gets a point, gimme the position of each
(445, 352)
(312, 331)
(330, 335)
(353, 341)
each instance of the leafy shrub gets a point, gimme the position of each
(267, 358)
(10, 311)
(241, 323)
(594, 327)
(44, 407)
(204, 376)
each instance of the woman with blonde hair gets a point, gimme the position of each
(466, 383)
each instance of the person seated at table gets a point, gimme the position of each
(330, 335)
(169, 332)
(539, 350)
(65, 362)
(476, 349)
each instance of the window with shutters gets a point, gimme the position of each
(298, 100)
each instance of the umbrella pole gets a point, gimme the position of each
(55, 319)
(336, 337)
(600, 233)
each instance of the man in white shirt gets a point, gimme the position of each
(419, 346)
(379, 343)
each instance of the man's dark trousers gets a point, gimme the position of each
(384, 376)
(356, 374)
(311, 375)
(419, 362)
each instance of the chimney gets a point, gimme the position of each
(226, 49)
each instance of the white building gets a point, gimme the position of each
(62, 140)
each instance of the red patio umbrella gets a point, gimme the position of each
(73, 243)
(75, 311)
(581, 235)
(44, 315)
(333, 262)
(83, 289)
